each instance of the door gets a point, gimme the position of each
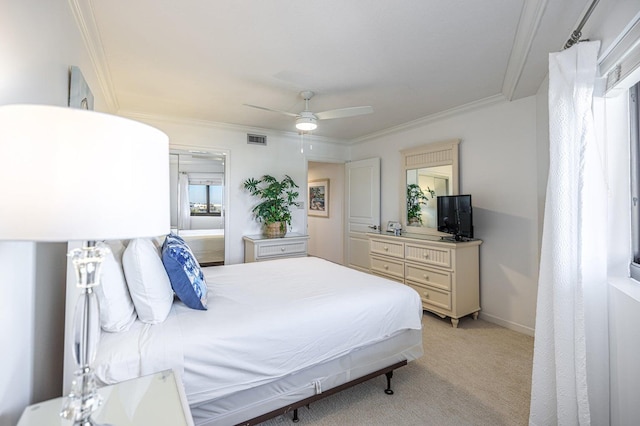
(362, 197)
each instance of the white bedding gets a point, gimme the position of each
(265, 320)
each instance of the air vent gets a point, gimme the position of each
(256, 139)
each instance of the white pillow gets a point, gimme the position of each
(147, 280)
(117, 311)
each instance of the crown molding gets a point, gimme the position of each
(532, 12)
(85, 20)
(471, 106)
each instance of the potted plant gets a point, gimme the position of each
(277, 199)
(415, 199)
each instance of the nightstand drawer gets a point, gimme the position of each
(387, 248)
(430, 255)
(298, 248)
(432, 296)
(429, 277)
(258, 247)
(387, 267)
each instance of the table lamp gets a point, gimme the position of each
(77, 175)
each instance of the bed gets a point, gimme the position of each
(276, 335)
(207, 244)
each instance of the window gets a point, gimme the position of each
(634, 124)
(205, 199)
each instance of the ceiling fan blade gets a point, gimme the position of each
(273, 110)
(344, 112)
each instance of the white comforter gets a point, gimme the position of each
(265, 320)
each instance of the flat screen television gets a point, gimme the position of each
(455, 216)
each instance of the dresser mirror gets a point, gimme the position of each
(427, 171)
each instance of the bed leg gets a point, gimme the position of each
(296, 419)
(388, 390)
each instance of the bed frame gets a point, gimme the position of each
(287, 394)
(387, 371)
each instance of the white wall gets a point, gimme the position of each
(281, 156)
(327, 234)
(498, 167)
(38, 43)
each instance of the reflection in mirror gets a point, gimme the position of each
(428, 171)
(423, 186)
(197, 203)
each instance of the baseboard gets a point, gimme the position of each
(507, 324)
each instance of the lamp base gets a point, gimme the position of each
(84, 398)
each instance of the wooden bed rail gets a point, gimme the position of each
(388, 371)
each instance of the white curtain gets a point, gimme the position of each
(184, 209)
(570, 384)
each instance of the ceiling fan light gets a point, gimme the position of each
(306, 124)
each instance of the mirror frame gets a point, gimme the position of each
(429, 155)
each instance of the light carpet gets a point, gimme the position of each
(477, 374)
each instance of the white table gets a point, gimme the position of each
(156, 399)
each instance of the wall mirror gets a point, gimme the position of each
(197, 197)
(427, 171)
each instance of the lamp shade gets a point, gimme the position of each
(71, 174)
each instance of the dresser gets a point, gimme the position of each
(258, 248)
(444, 273)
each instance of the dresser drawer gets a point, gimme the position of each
(297, 248)
(429, 255)
(387, 248)
(389, 277)
(429, 277)
(431, 296)
(387, 267)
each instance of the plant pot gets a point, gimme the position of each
(275, 229)
(414, 221)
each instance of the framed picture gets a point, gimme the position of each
(80, 95)
(318, 198)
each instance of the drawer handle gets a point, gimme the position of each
(426, 294)
(386, 266)
(426, 255)
(426, 277)
(282, 248)
(386, 248)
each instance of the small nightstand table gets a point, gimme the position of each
(258, 247)
(156, 399)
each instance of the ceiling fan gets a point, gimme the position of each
(307, 120)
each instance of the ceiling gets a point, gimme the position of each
(409, 60)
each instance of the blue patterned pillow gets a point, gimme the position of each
(184, 272)
(173, 238)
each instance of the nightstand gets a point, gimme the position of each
(258, 247)
(156, 399)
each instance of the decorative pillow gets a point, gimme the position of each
(184, 272)
(117, 311)
(173, 238)
(147, 280)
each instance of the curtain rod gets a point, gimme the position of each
(575, 36)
